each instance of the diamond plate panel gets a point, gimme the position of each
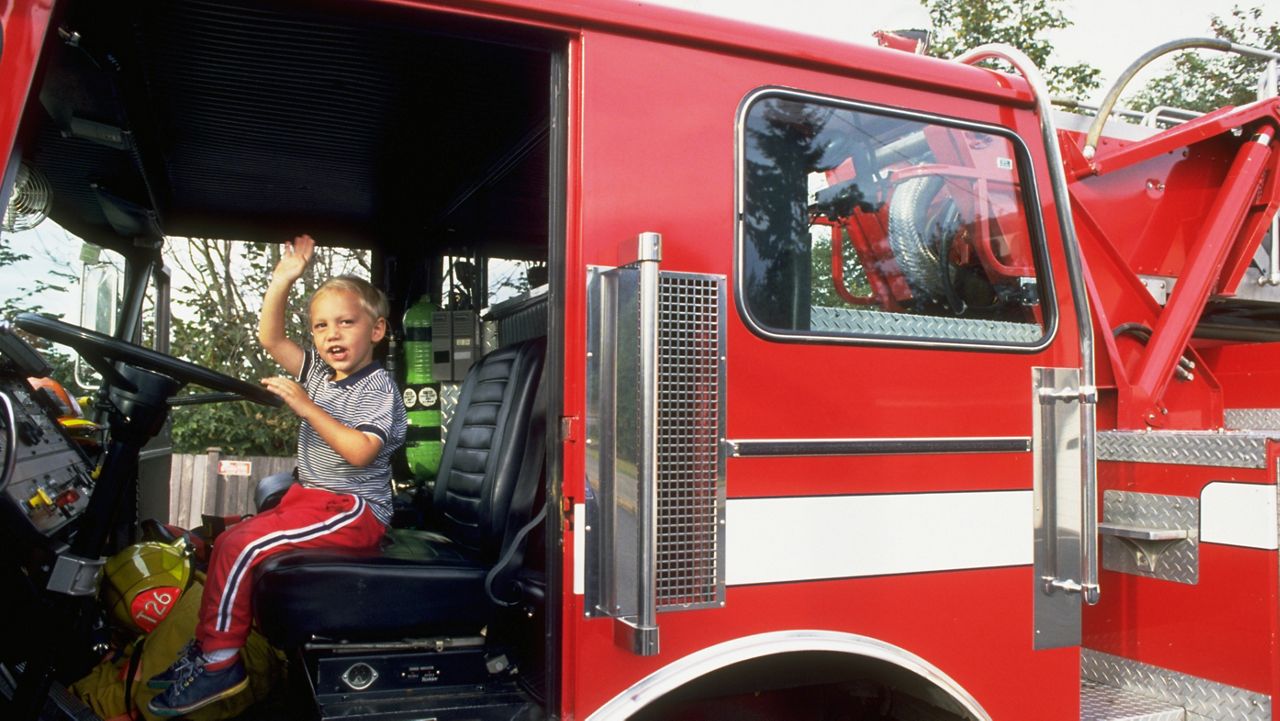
(1200, 697)
(924, 327)
(1104, 703)
(1252, 419)
(449, 393)
(1230, 449)
(1177, 561)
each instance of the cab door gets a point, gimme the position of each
(890, 290)
(901, 425)
(896, 285)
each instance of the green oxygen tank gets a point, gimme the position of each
(422, 446)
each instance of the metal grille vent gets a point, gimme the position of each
(690, 465)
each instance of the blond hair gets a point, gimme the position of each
(372, 300)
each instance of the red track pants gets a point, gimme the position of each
(305, 518)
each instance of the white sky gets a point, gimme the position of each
(1107, 33)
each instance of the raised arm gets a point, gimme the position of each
(275, 302)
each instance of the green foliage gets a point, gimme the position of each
(822, 291)
(216, 326)
(239, 429)
(960, 25)
(1210, 80)
(8, 256)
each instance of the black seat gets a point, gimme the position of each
(425, 582)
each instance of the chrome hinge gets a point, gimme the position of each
(1084, 394)
(1090, 591)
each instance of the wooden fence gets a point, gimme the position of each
(196, 486)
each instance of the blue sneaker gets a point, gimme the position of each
(186, 657)
(198, 687)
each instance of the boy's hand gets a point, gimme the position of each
(357, 447)
(291, 393)
(297, 255)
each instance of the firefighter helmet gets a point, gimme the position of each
(144, 581)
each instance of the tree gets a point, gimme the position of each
(1205, 82)
(822, 290)
(960, 25)
(22, 299)
(220, 285)
(510, 278)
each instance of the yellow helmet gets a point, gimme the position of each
(142, 583)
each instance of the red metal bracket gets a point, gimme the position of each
(1203, 272)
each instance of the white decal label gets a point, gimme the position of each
(427, 396)
(1238, 514)
(771, 540)
(235, 468)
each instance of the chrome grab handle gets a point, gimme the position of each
(644, 629)
(1113, 95)
(621, 520)
(1267, 88)
(1088, 584)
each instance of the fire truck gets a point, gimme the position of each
(862, 385)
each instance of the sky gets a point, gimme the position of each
(49, 247)
(1109, 34)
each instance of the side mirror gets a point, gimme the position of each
(99, 305)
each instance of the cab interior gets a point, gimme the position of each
(417, 135)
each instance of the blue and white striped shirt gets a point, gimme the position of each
(368, 401)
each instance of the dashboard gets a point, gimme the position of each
(44, 476)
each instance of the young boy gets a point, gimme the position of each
(352, 421)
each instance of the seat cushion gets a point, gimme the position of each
(418, 583)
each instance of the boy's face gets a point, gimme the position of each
(344, 332)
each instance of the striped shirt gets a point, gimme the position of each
(368, 401)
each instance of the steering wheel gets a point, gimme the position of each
(98, 349)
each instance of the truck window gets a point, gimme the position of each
(871, 223)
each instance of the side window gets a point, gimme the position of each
(863, 222)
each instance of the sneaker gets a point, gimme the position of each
(198, 687)
(186, 657)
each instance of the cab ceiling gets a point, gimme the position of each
(257, 121)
